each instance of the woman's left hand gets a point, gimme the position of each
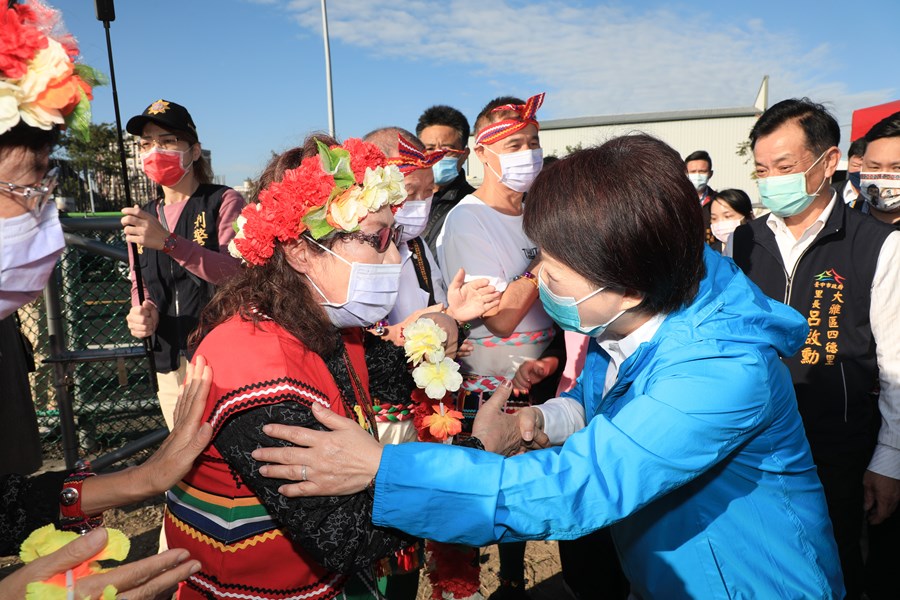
(190, 435)
(334, 463)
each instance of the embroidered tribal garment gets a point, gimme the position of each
(252, 541)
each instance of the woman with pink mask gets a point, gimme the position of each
(182, 240)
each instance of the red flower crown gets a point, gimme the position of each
(333, 191)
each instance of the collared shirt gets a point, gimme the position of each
(564, 416)
(884, 316)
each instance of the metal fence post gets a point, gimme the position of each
(57, 332)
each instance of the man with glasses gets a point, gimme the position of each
(837, 267)
(445, 128)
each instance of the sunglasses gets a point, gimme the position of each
(380, 240)
(41, 192)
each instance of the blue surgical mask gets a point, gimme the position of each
(854, 179)
(446, 169)
(564, 309)
(786, 195)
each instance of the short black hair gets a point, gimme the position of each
(858, 147)
(820, 127)
(887, 127)
(22, 135)
(441, 114)
(623, 215)
(738, 200)
(699, 155)
(485, 117)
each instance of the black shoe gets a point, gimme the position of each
(510, 590)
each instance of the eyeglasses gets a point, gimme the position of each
(41, 192)
(380, 240)
(165, 142)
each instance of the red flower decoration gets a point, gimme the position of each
(19, 41)
(362, 155)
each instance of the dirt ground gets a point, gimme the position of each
(141, 522)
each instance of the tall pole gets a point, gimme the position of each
(106, 12)
(328, 70)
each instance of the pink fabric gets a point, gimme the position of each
(206, 264)
(576, 351)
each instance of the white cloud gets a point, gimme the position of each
(595, 59)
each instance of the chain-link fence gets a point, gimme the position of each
(87, 356)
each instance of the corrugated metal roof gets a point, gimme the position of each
(655, 117)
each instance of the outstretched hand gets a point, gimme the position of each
(321, 463)
(190, 435)
(467, 301)
(532, 372)
(147, 579)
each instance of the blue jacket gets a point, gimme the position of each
(696, 457)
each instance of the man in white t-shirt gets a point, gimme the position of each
(483, 235)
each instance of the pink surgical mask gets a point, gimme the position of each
(165, 167)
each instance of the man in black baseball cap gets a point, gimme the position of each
(165, 114)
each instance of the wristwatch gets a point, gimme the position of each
(169, 244)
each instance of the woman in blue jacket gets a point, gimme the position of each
(682, 433)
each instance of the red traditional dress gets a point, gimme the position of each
(253, 542)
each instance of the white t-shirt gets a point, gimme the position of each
(489, 244)
(412, 297)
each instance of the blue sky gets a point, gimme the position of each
(252, 71)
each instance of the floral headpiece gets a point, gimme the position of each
(333, 191)
(412, 159)
(505, 128)
(40, 83)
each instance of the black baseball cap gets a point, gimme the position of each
(165, 114)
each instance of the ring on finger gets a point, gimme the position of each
(302, 472)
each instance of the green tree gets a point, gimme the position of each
(97, 160)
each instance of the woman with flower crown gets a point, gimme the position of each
(284, 334)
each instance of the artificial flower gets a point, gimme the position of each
(47, 539)
(363, 155)
(332, 191)
(443, 423)
(19, 42)
(438, 378)
(238, 227)
(424, 340)
(348, 209)
(39, 73)
(9, 105)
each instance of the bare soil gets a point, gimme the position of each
(141, 523)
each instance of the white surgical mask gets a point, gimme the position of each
(786, 195)
(413, 215)
(723, 229)
(518, 169)
(699, 180)
(371, 293)
(888, 197)
(29, 247)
